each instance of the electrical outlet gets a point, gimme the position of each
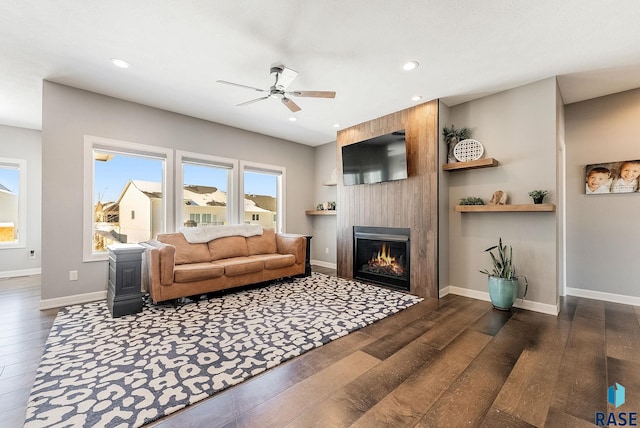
(73, 275)
(326, 250)
(32, 254)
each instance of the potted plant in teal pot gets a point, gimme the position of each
(502, 279)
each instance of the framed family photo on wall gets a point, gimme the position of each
(612, 177)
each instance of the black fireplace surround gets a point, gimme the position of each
(382, 255)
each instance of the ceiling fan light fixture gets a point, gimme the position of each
(120, 63)
(411, 65)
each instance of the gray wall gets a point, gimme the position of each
(69, 113)
(20, 143)
(324, 227)
(602, 230)
(518, 128)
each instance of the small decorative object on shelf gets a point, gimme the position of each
(468, 150)
(471, 200)
(499, 198)
(326, 206)
(538, 195)
(452, 136)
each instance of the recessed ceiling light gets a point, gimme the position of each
(416, 98)
(120, 63)
(293, 119)
(411, 65)
(336, 125)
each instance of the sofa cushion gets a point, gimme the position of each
(185, 252)
(276, 261)
(197, 272)
(263, 244)
(240, 265)
(228, 247)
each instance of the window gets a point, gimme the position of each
(13, 210)
(206, 187)
(263, 190)
(124, 178)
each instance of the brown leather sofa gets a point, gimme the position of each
(174, 268)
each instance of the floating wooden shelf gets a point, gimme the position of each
(505, 208)
(480, 163)
(320, 212)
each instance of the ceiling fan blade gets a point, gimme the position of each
(291, 105)
(241, 86)
(252, 101)
(315, 94)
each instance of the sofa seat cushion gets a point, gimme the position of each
(240, 265)
(276, 261)
(197, 272)
(263, 244)
(228, 247)
(185, 252)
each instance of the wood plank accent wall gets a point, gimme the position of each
(411, 203)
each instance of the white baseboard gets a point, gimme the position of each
(22, 272)
(324, 264)
(601, 295)
(76, 299)
(529, 305)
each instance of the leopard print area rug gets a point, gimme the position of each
(125, 372)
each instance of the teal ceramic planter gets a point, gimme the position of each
(503, 292)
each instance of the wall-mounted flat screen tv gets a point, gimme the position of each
(376, 160)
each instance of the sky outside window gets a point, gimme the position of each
(111, 176)
(10, 178)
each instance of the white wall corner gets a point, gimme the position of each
(601, 295)
(323, 264)
(21, 272)
(75, 299)
(529, 305)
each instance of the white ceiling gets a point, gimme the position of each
(178, 49)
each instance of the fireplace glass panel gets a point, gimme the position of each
(382, 256)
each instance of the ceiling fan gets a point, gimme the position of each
(283, 78)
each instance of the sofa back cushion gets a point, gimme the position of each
(263, 244)
(185, 252)
(227, 247)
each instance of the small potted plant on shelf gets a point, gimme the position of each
(502, 279)
(538, 195)
(452, 136)
(471, 200)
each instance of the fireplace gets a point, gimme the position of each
(382, 255)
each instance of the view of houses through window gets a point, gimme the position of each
(11, 201)
(260, 198)
(204, 194)
(128, 199)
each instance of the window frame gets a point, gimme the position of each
(201, 159)
(21, 165)
(280, 172)
(126, 148)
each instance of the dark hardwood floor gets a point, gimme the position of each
(448, 362)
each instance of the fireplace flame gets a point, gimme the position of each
(384, 261)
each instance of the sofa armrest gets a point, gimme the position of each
(159, 261)
(289, 243)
